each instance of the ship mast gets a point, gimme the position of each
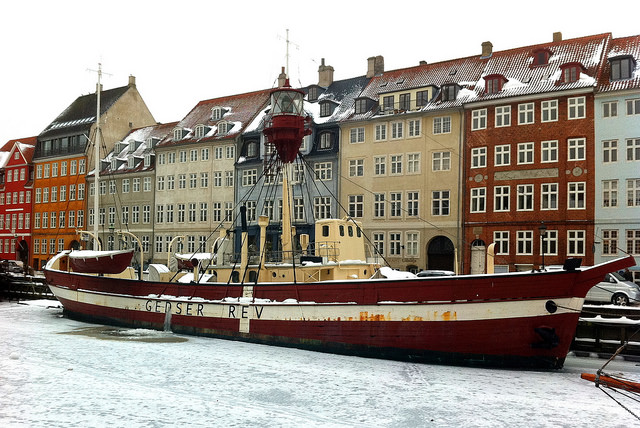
(96, 156)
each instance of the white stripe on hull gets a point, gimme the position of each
(246, 310)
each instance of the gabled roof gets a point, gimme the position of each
(239, 110)
(139, 138)
(81, 114)
(624, 46)
(26, 146)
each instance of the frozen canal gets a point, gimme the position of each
(55, 372)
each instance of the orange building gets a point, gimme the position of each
(61, 164)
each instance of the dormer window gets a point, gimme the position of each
(114, 164)
(201, 131)
(622, 67)
(571, 72)
(387, 102)
(326, 108)
(177, 134)
(313, 93)
(493, 83)
(131, 162)
(217, 113)
(326, 140)
(541, 57)
(449, 92)
(151, 142)
(224, 127)
(252, 149)
(422, 98)
(361, 106)
(147, 160)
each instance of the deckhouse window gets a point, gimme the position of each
(622, 68)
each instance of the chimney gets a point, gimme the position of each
(557, 37)
(375, 66)
(423, 62)
(487, 49)
(325, 75)
(132, 81)
(282, 78)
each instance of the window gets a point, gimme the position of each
(228, 178)
(501, 239)
(81, 166)
(414, 127)
(577, 108)
(525, 113)
(379, 205)
(576, 195)
(63, 169)
(502, 155)
(549, 151)
(192, 212)
(610, 151)
(204, 180)
(442, 125)
(181, 210)
(633, 149)
(441, 161)
(204, 154)
(449, 92)
(323, 171)
(479, 157)
(577, 149)
(356, 205)
(193, 181)
(541, 57)
(356, 168)
(549, 196)
(325, 141)
(413, 163)
(633, 241)
(524, 242)
(380, 165)
(224, 127)
(387, 102)
(525, 197)
(252, 149)
(356, 135)
(479, 119)
(217, 179)
(422, 98)
(610, 109)
(525, 153)
(46, 170)
(395, 207)
(570, 73)
(478, 202)
(267, 209)
(549, 111)
(501, 198)
(440, 202)
(493, 84)
(411, 244)
(576, 242)
(413, 204)
(633, 192)
(63, 194)
(378, 242)
(503, 116)
(171, 182)
(146, 184)
(395, 244)
(361, 106)
(136, 184)
(396, 164)
(249, 177)
(633, 107)
(230, 152)
(405, 102)
(159, 183)
(380, 132)
(621, 68)
(610, 193)
(397, 130)
(321, 207)
(218, 152)
(125, 215)
(159, 213)
(201, 131)
(610, 242)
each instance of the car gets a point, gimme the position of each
(615, 290)
(435, 272)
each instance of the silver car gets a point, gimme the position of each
(614, 289)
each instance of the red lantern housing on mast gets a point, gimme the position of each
(285, 126)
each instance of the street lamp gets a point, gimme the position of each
(543, 235)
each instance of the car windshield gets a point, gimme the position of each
(618, 276)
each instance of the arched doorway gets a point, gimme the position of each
(440, 254)
(478, 255)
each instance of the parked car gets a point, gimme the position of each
(435, 272)
(614, 289)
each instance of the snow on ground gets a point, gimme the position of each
(56, 372)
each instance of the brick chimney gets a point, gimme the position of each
(375, 66)
(132, 81)
(557, 37)
(487, 49)
(282, 78)
(325, 75)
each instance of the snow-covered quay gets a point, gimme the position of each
(55, 372)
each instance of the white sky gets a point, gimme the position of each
(182, 52)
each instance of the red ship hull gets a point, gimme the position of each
(509, 320)
(100, 261)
